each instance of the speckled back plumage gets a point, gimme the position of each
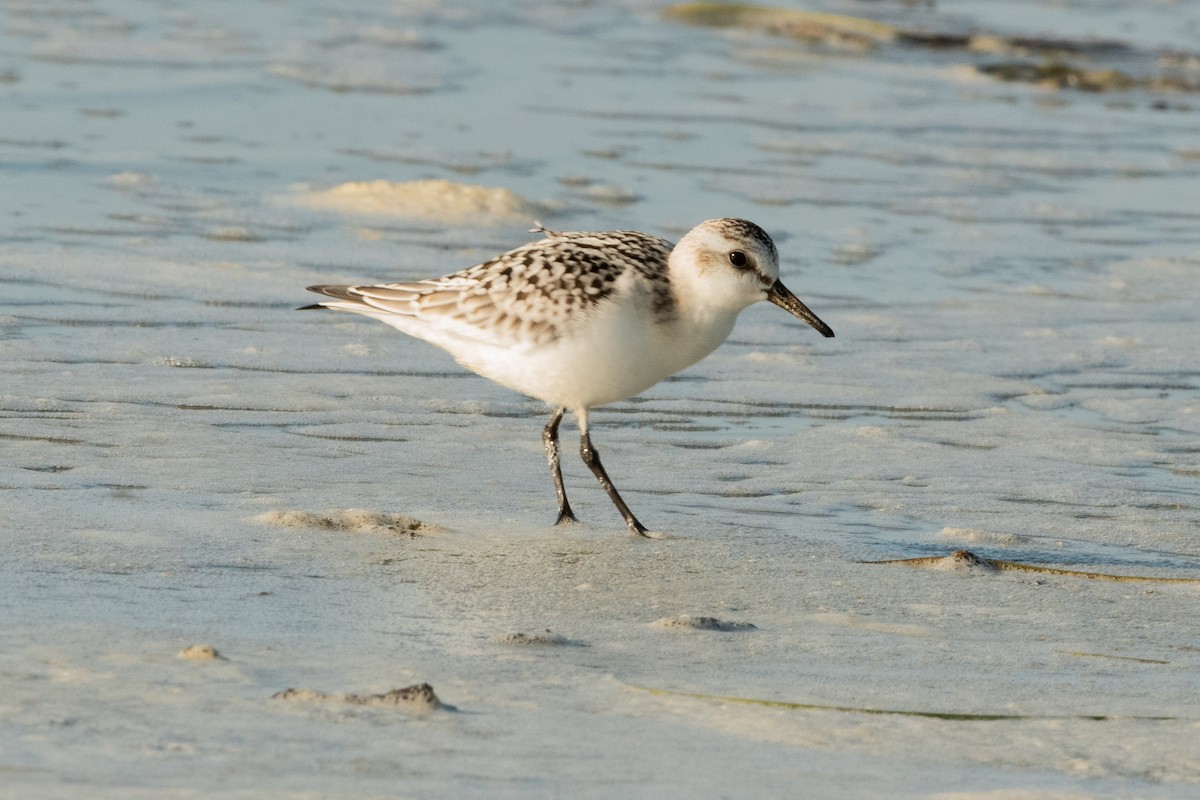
(530, 294)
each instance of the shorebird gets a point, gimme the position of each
(583, 319)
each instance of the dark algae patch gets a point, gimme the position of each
(1049, 62)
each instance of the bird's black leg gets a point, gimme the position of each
(550, 440)
(592, 459)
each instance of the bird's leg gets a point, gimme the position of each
(592, 458)
(550, 440)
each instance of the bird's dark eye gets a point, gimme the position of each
(738, 259)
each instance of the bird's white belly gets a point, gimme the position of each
(611, 355)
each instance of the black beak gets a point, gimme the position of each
(781, 296)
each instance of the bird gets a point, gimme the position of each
(583, 319)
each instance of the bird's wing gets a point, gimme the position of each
(527, 296)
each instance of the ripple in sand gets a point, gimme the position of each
(967, 562)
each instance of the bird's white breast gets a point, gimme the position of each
(611, 352)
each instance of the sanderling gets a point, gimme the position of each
(583, 319)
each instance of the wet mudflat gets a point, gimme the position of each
(995, 207)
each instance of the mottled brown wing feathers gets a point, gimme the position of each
(527, 295)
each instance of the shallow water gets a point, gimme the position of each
(1011, 272)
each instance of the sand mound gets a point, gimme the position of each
(419, 697)
(439, 200)
(351, 520)
(546, 638)
(963, 561)
(200, 652)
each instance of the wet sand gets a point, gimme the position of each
(257, 553)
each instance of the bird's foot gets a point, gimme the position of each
(566, 518)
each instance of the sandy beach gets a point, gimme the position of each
(256, 553)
